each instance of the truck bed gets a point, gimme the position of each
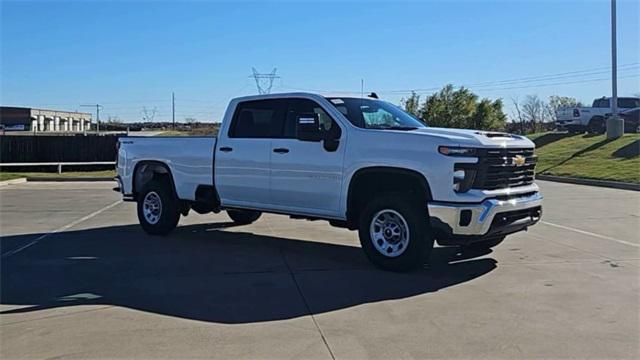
(190, 159)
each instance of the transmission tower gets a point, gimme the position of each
(264, 82)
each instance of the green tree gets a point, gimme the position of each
(412, 104)
(489, 115)
(461, 109)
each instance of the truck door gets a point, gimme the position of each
(243, 154)
(305, 177)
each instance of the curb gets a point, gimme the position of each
(13, 181)
(590, 182)
(69, 179)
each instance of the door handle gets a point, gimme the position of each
(281, 150)
(226, 149)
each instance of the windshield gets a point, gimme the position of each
(375, 114)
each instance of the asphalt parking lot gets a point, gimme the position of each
(81, 280)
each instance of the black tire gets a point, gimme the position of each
(169, 211)
(486, 244)
(244, 217)
(575, 129)
(414, 251)
(597, 125)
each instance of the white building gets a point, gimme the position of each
(39, 120)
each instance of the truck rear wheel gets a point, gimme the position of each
(158, 210)
(244, 217)
(394, 233)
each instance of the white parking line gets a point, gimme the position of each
(69, 225)
(590, 234)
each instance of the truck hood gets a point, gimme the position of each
(472, 138)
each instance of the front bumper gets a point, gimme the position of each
(491, 218)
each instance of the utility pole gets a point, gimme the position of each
(615, 125)
(173, 109)
(98, 106)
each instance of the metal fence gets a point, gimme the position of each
(58, 165)
(58, 149)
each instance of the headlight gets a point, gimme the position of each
(458, 151)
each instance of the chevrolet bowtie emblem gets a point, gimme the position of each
(518, 160)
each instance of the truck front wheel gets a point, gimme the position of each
(243, 217)
(394, 233)
(158, 210)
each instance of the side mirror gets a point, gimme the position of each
(308, 127)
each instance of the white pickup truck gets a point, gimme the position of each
(360, 163)
(592, 119)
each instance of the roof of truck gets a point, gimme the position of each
(298, 94)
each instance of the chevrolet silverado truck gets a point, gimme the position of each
(591, 119)
(359, 163)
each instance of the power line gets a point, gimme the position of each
(498, 83)
(577, 73)
(544, 84)
(529, 79)
(561, 83)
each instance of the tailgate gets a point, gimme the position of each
(565, 114)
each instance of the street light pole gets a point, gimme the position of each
(173, 109)
(615, 125)
(98, 118)
(98, 106)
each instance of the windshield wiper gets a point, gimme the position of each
(393, 127)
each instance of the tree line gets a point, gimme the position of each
(461, 108)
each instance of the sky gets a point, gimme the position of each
(128, 56)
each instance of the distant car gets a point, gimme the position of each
(592, 119)
(631, 119)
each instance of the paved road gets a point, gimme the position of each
(81, 280)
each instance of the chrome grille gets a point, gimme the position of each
(497, 169)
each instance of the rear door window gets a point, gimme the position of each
(258, 119)
(628, 103)
(305, 106)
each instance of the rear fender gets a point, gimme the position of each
(146, 171)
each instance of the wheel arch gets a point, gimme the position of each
(383, 179)
(147, 170)
(596, 119)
